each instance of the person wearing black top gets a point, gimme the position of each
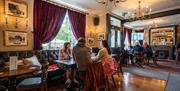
(137, 52)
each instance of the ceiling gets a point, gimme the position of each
(91, 6)
(155, 22)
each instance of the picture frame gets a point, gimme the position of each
(15, 38)
(101, 36)
(17, 9)
(91, 41)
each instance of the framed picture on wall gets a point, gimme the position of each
(16, 9)
(15, 38)
(101, 36)
(91, 41)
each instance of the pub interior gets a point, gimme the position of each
(89, 45)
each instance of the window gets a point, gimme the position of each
(114, 33)
(113, 38)
(115, 22)
(64, 35)
(126, 42)
(136, 37)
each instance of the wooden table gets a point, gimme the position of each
(11, 75)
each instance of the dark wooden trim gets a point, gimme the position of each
(110, 15)
(160, 14)
(163, 26)
(109, 26)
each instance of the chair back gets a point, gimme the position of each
(138, 55)
(95, 77)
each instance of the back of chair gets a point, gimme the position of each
(138, 55)
(95, 77)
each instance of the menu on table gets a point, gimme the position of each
(13, 62)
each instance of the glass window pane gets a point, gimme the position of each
(64, 35)
(112, 38)
(118, 38)
(115, 22)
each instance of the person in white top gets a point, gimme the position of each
(104, 53)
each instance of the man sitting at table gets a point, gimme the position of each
(147, 52)
(82, 56)
(137, 52)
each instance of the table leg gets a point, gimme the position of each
(12, 84)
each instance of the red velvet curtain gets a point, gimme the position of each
(78, 23)
(129, 34)
(48, 19)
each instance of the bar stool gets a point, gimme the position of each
(138, 58)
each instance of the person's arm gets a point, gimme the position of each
(73, 55)
(89, 55)
(61, 55)
(99, 56)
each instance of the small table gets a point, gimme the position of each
(11, 75)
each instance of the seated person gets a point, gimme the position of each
(137, 52)
(104, 52)
(65, 53)
(124, 56)
(137, 48)
(147, 51)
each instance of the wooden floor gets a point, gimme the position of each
(130, 82)
(125, 82)
(165, 65)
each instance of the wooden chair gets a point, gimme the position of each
(146, 58)
(95, 78)
(35, 83)
(138, 58)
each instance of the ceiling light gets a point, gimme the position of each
(139, 12)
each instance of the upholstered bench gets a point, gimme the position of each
(49, 55)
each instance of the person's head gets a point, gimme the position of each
(67, 45)
(81, 41)
(104, 44)
(137, 44)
